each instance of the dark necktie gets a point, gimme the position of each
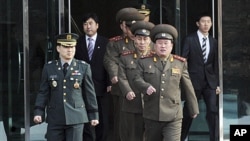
(203, 48)
(163, 63)
(90, 47)
(65, 66)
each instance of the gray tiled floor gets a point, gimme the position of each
(37, 133)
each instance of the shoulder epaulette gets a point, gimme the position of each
(83, 62)
(127, 52)
(52, 61)
(179, 58)
(49, 62)
(151, 54)
(116, 38)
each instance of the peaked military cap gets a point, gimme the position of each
(130, 17)
(122, 11)
(67, 39)
(163, 31)
(144, 9)
(142, 28)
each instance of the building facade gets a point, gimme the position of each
(28, 28)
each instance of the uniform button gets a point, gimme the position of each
(64, 94)
(64, 80)
(163, 74)
(64, 100)
(161, 96)
(64, 87)
(162, 89)
(163, 82)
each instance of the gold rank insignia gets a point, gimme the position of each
(135, 55)
(172, 59)
(126, 40)
(76, 84)
(68, 37)
(155, 59)
(54, 83)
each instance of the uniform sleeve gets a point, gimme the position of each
(111, 59)
(189, 92)
(123, 81)
(43, 94)
(90, 96)
(139, 80)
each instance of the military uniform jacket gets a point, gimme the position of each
(165, 104)
(126, 73)
(114, 49)
(69, 99)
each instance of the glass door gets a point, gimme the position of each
(17, 97)
(11, 78)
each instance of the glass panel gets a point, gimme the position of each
(236, 60)
(11, 82)
(42, 23)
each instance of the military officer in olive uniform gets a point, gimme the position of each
(126, 17)
(67, 93)
(159, 78)
(131, 108)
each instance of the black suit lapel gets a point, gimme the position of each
(97, 47)
(211, 46)
(83, 50)
(198, 46)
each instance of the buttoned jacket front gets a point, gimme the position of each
(115, 47)
(69, 99)
(165, 104)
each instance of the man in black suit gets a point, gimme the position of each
(92, 51)
(201, 51)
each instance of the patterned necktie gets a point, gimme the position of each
(203, 48)
(90, 47)
(65, 66)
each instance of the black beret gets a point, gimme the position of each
(163, 31)
(67, 39)
(122, 11)
(142, 28)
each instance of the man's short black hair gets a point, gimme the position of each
(202, 14)
(90, 15)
